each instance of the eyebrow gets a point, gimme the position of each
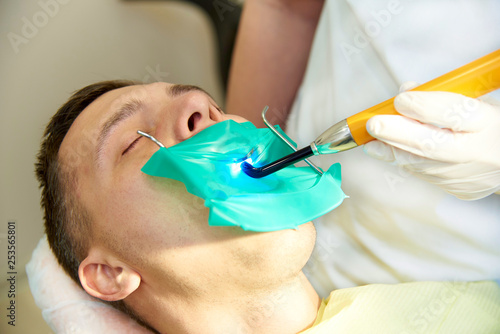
(179, 89)
(129, 109)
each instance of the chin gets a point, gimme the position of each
(307, 240)
(293, 248)
(265, 258)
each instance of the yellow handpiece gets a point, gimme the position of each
(474, 79)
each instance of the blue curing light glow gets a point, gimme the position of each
(235, 168)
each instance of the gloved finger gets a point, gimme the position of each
(420, 139)
(379, 150)
(412, 163)
(467, 181)
(437, 171)
(452, 180)
(444, 109)
(408, 85)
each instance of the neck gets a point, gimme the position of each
(289, 307)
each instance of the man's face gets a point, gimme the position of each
(152, 223)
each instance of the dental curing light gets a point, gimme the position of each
(474, 79)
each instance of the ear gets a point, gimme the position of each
(107, 278)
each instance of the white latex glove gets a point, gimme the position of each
(65, 306)
(446, 139)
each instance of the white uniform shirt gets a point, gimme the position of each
(394, 227)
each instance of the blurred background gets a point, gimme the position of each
(50, 48)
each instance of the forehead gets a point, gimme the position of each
(107, 104)
(78, 144)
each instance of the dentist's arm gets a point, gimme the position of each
(270, 57)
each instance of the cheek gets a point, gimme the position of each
(235, 118)
(156, 213)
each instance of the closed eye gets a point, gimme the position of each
(131, 146)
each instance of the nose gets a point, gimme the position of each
(195, 113)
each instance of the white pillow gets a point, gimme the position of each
(66, 307)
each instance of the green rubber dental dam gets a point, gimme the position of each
(209, 165)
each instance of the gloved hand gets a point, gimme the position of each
(446, 139)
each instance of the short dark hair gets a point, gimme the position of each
(63, 216)
(67, 222)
